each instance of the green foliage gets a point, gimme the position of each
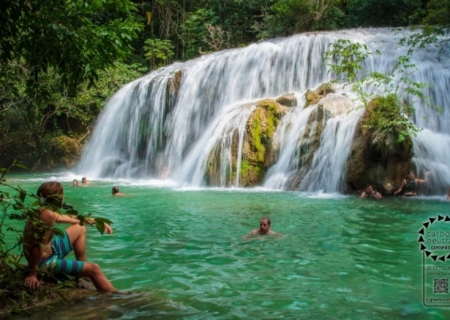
(158, 52)
(16, 207)
(392, 107)
(69, 36)
(438, 13)
(434, 29)
(47, 48)
(389, 129)
(34, 120)
(386, 13)
(293, 16)
(90, 100)
(194, 31)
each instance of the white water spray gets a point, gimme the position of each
(145, 129)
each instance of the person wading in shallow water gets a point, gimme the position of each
(264, 228)
(46, 252)
(409, 185)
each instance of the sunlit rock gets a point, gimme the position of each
(381, 161)
(287, 100)
(257, 150)
(64, 152)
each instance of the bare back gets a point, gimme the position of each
(35, 232)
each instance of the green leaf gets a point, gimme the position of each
(72, 212)
(100, 226)
(58, 232)
(22, 195)
(18, 165)
(103, 220)
(36, 203)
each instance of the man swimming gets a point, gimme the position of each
(264, 228)
(115, 192)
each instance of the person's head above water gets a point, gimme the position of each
(264, 228)
(115, 190)
(264, 225)
(84, 180)
(75, 182)
(411, 175)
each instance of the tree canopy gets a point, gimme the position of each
(75, 38)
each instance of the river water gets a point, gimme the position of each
(182, 253)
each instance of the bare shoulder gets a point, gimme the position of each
(48, 216)
(252, 233)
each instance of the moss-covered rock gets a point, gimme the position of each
(257, 153)
(314, 96)
(287, 100)
(377, 157)
(63, 152)
(258, 148)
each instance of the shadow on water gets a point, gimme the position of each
(140, 305)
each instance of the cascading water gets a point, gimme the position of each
(174, 119)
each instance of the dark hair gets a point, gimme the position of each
(265, 218)
(83, 179)
(51, 193)
(115, 190)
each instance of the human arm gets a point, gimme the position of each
(401, 187)
(39, 237)
(363, 195)
(108, 229)
(378, 195)
(425, 179)
(62, 218)
(251, 233)
(69, 219)
(34, 260)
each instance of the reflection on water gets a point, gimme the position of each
(184, 255)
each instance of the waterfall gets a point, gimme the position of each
(176, 118)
